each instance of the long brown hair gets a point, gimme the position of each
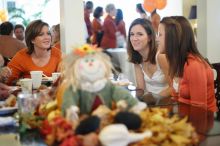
(188, 40)
(134, 56)
(173, 50)
(188, 43)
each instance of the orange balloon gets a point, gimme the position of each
(149, 5)
(160, 4)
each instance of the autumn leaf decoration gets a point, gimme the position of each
(85, 50)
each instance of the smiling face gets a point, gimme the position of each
(139, 38)
(43, 40)
(91, 68)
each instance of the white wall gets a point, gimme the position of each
(174, 7)
(213, 30)
(3, 4)
(50, 12)
(209, 29)
(72, 24)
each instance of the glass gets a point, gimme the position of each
(27, 103)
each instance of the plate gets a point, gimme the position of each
(47, 79)
(123, 83)
(7, 110)
(7, 121)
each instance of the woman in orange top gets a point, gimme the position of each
(97, 26)
(109, 27)
(38, 55)
(194, 74)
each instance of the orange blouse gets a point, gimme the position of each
(97, 27)
(197, 85)
(57, 45)
(22, 64)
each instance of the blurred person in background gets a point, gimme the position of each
(97, 26)
(141, 11)
(88, 9)
(121, 31)
(9, 46)
(55, 32)
(109, 27)
(155, 20)
(19, 32)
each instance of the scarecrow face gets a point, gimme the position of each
(91, 68)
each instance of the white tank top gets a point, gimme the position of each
(157, 82)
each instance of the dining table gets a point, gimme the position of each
(206, 123)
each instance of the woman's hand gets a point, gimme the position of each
(5, 73)
(4, 90)
(1, 60)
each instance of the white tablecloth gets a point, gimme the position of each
(120, 57)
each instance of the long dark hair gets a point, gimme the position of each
(188, 43)
(6, 28)
(188, 40)
(98, 12)
(173, 50)
(140, 8)
(134, 56)
(119, 16)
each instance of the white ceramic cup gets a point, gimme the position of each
(55, 76)
(36, 78)
(26, 85)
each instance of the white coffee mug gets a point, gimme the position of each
(26, 85)
(55, 76)
(36, 77)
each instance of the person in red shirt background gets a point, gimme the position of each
(87, 11)
(109, 27)
(97, 26)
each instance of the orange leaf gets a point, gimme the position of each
(160, 4)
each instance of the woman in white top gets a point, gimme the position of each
(151, 67)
